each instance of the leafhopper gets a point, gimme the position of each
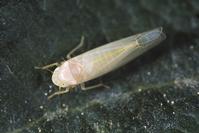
(101, 60)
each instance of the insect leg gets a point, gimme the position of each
(93, 86)
(47, 66)
(58, 93)
(76, 48)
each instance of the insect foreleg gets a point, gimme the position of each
(47, 66)
(76, 48)
(58, 93)
(82, 85)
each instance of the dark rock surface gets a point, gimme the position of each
(157, 92)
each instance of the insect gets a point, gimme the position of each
(101, 60)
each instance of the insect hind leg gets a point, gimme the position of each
(76, 48)
(93, 86)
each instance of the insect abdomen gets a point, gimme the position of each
(108, 57)
(101, 62)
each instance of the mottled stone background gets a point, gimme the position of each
(157, 92)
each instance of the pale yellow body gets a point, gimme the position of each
(101, 60)
(104, 59)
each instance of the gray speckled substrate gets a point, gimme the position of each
(158, 92)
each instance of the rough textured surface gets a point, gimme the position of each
(158, 92)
